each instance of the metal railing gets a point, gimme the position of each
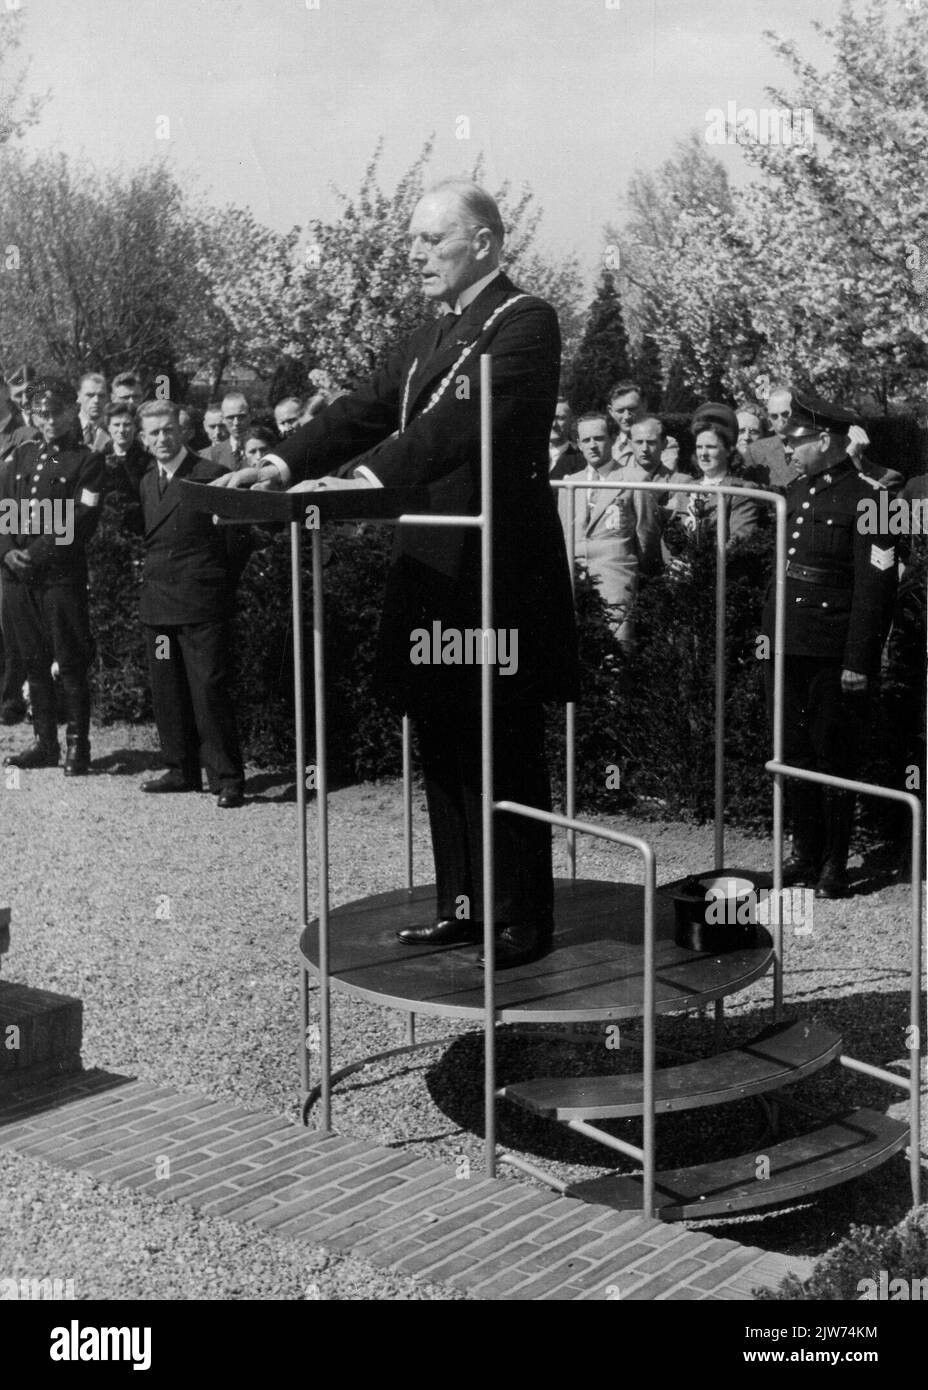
(484, 522)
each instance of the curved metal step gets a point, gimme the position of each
(840, 1149)
(778, 1056)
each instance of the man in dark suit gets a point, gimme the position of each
(765, 461)
(189, 577)
(417, 421)
(840, 589)
(236, 416)
(563, 455)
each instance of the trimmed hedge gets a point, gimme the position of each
(865, 1265)
(645, 725)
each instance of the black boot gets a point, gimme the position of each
(804, 807)
(839, 819)
(45, 751)
(77, 702)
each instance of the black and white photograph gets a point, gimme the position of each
(463, 589)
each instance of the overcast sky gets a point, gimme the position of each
(271, 102)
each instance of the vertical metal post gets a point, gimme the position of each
(570, 713)
(322, 826)
(720, 582)
(407, 838)
(300, 729)
(407, 799)
(486, 760)
(649, 1058)
(779, 643)
(915, 1047)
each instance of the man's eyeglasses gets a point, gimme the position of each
(431, 240)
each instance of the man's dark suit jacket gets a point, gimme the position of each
(191, 566)
(765, 464)
(571, 461)
(435, 572)
(222, 453)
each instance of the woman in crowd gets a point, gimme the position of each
(258, 442)
(715, 428)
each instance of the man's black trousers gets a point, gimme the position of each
(43, 623)
(824, 729)
(449, 750)
(189, 668)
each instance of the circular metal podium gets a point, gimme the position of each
(594, 971)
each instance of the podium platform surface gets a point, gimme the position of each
(594, 971)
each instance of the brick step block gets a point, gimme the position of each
(40, 1036)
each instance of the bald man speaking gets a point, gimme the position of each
(417, 422)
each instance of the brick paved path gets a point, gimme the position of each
(495, 1238)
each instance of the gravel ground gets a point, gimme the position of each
(174, 922)
(109, 1244)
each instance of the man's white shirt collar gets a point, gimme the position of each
(172, 465)
(468, 296)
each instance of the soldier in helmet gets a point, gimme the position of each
(50, 492)
(840, 588)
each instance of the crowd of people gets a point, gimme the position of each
(104, 445)
(105, 442)
(620, 535)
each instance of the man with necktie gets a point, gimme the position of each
(417, 422)
(626, 406)
(190, 573)
(605, 543)
(236, 416)
(92, 401)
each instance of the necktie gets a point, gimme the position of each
(591, 477)
(163, 481)
(449, 323)
(90, 434)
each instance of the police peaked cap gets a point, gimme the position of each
(812, 415)
(54, 387)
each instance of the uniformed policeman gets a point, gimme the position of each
(840, 588)
(50, 493)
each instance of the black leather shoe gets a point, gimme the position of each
(168, 782)
(799, 873)
(833, 882)
(448, 931)
(36, 755)
(229, 800)
(77, 760)
(518, 946)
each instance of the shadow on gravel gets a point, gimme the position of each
(873, 1026)
(280, 787)
(19, 1106)
(128, 762)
